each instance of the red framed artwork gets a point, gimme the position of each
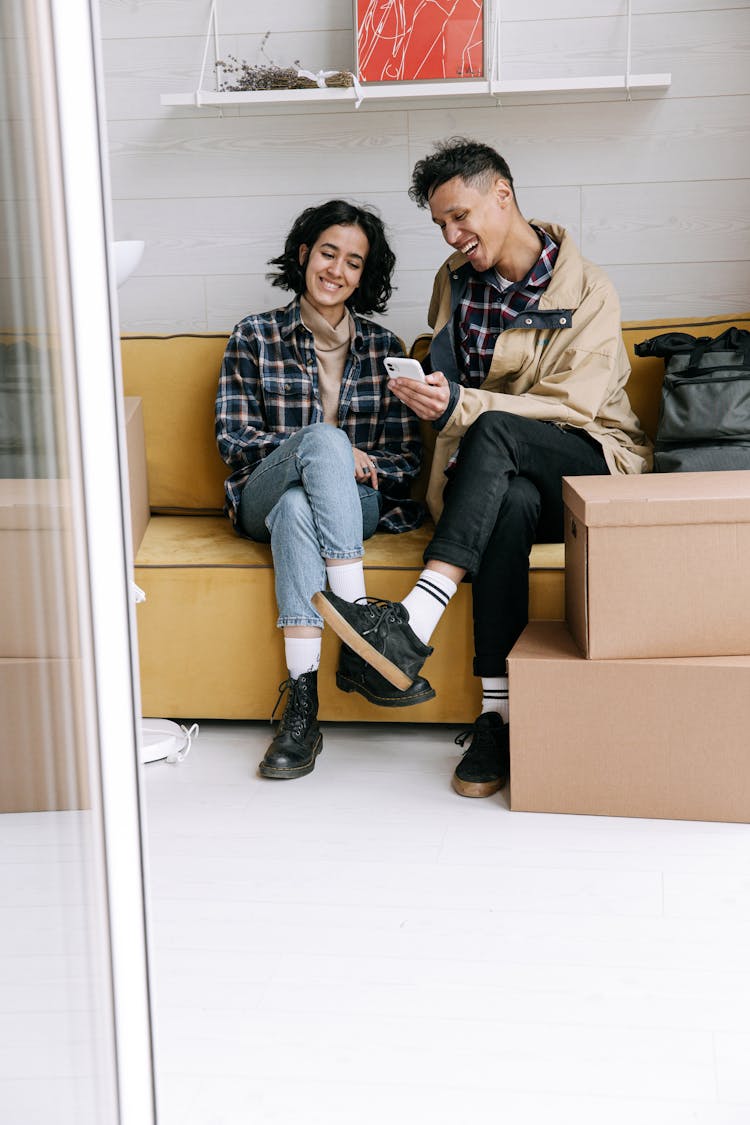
(413, 40)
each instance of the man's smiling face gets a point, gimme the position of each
(474, 219)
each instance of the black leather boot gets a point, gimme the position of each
(485, 765)
(354, 674)
(298, 740)
(379, 632)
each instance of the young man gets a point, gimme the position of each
(526, 386)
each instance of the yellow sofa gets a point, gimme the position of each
(206, 632)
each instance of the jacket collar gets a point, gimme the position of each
(565, 289)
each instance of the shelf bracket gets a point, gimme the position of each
(212, 32)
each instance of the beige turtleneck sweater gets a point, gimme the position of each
(331, 349)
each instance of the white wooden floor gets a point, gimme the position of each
(363, 946)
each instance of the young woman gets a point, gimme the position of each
(322, 454)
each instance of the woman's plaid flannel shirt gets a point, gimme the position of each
(268, 389)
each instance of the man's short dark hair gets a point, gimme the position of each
(374, 290)
(469, 160)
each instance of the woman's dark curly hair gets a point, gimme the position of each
(374, 290)
(458, 156)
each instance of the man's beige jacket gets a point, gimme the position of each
(573, 374)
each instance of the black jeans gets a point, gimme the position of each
(504, 495)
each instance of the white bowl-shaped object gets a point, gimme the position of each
(127, 256)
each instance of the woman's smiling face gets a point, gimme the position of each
(333, 268)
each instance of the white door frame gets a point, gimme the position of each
(94, 340)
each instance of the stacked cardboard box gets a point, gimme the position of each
(44, 744)
(641, 706)
(42, 749)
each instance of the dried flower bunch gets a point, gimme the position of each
(340, 79)
(239, 75)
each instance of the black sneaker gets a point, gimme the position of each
(355, 675)
(298, 740)
(379, 632)
(485, 766)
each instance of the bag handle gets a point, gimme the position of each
(733, 340)
(681, 343)
(666, 345)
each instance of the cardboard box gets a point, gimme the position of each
(658, 565)
(140, 513)
(640, 738)
(38, 611)
(43, 764)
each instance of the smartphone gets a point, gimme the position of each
(404, 369)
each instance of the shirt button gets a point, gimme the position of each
(563, 320)
(287, 386)
(529, 320)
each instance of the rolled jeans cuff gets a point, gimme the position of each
(454, 553)
(315, 622)
(329, 554)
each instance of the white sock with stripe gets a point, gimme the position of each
(427, 602)
(495, 695)
(348, 580)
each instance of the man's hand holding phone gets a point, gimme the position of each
(399, 368)
(427, 395)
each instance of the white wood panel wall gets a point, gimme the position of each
(654, 189)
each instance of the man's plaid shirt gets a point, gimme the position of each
(488, 306)
(268, 389)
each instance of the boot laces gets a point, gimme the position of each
(295, 718)
(381, 610)
(481, 738)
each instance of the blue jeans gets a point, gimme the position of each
(304, 501)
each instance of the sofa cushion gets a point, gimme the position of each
(208, 642)
(190, 541)
(176, 377)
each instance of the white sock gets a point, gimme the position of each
(427, 602)
(495, 695)
(302, 655)
(348, 580)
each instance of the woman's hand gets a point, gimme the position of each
(428, 400)
(364, 468)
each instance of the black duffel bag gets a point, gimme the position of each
(704, 415)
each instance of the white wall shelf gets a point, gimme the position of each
(488, 92)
